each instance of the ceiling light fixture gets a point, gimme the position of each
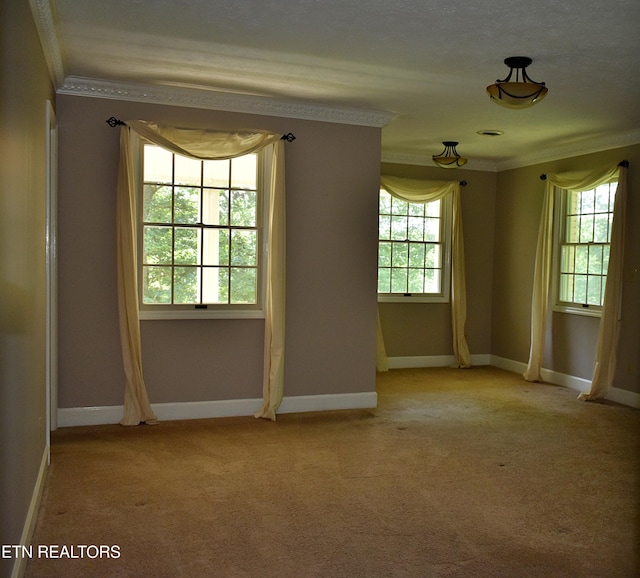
(522, 92)
(449, 157)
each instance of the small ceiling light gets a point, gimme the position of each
(490, 132)
(522, 92)
(449, 157)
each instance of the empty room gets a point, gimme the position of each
(319, 289)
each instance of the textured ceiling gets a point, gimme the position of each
(426, 63)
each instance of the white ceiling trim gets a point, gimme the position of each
(553, 154)
(47, 28)
(225, 101)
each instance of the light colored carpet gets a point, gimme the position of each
(458, 473)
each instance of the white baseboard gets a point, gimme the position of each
(77, 416)
(580, 384)
(434, 361)
(20, 564)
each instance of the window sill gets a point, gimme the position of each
(200, 314)
(583, 311)
(412, 299)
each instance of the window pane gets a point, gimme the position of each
(416, 228)
(399, 228)
(156, 285)
(399, 207)
(601, 232)
(567, 259)
(243, 285)
(215, 285)
(215, 249)
(243, 172)
(216, 174)
(566, 288)
(158, 166)
(186, 205)
(605, 258)
(588, 202)
(186, 285)
(432, 232)
(244, 247)
(416, 255)
(384, 280)
(580, 289)
(187, 171)
(158, 243)
(432, 281)
(215, 207)
(187, 246)
(595, 259)
(432, 256)
(582, 259)
(384, 203)
(586, 229)
(602, 200)
(416, 280)
(572, 234)
(416, 209)
(573, 203)
(384, 254)
(243, 208)
(594, 289)
(384, 227)
(157, 204)
(399, 280)
(400, 254)
(433, 209)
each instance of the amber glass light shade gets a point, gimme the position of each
(449, 157)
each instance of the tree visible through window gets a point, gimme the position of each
(412, 247)
(584, 245)
(200, 230)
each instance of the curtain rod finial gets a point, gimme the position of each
(114, 122)
(624, 163)
(543, 177)
(463, 183)
(289, 137)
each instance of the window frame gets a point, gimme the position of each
(446, 228)
(559, 236)
(167, 311)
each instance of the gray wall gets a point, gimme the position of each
(424, 329)
(571, 339)
(332, 185)
(24, 90)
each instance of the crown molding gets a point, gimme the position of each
(47, 28)
(563, 152)
(230, 102)
(404, 158)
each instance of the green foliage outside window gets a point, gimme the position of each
(200, 244)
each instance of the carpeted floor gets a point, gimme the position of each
(458, 473)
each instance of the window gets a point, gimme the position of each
(201, 242)
(413, 249)
(584, 233)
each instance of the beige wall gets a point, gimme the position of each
(332, 182)
(424, 329)
(571, 339)
(24, 90)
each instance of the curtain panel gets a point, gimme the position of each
(605, 359)
(203, 145)
(419, 191)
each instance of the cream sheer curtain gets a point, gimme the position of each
(419, 191)
(609, 322)
(200, 144)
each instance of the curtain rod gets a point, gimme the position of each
(624, 163)
(114, 122)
